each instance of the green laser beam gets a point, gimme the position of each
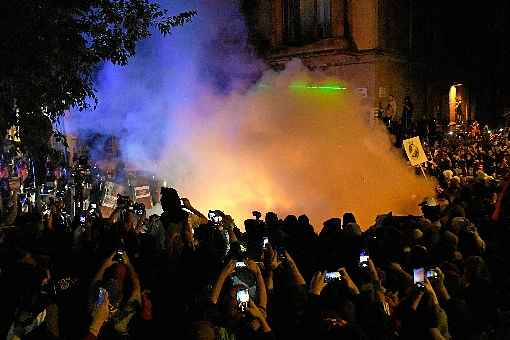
(318, 87)
(312, 87)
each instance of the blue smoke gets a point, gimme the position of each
(142, 102)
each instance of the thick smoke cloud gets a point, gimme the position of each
(201, 113)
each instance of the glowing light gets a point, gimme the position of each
(319, 87)
(452, 102)
(322, 87)
(450, 133)
(305, 86)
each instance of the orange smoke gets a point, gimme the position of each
(290, 151)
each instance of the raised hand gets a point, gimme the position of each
(318, 284)
(229, 268)
(253, 267)
(348, 281)
(255, 311)
(100, 314)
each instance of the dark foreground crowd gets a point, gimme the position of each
(183, 275)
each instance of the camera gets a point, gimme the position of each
(242, 298)
(215, 216)
(138, 208)
(332, 277)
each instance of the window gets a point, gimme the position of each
(323, 18)
(291, 22)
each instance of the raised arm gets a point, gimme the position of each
(136, 292)
(261, 286)
(297, 278)
(186, 203)
(100, 273)
(218, 285)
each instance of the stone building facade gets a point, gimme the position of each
(378, 47)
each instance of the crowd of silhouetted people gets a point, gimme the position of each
(186, 275)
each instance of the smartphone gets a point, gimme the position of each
(240, 264)
(332, 276)
(265, 242)
(82, 218)
(363, 258)
(242, 299)
(93, 206)
(100, 296)
(281, 255)
(419, 277)
(119, 256)
(431, 274)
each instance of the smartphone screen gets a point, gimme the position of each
(265, 242)
(419, 276)
(332, 276)
(363, 258)
(240, 264)
(242, 298)
(93, 205)
(431, 274)
(82, 219)
(100, 296)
